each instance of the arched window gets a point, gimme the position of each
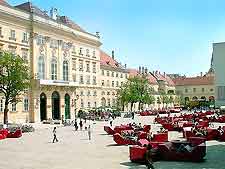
(54, 69)
(65, 71)
(41, 67)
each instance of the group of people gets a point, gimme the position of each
(199, 131)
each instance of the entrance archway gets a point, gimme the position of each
(43, 104)
(67, 106)
(55, 106)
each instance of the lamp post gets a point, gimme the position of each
(75, 105)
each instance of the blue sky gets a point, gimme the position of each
(174, 36)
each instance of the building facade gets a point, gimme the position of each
(218, 64)
(64, 62)
(200, 88)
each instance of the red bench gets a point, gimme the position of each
(109, 130)
(160, 137)
(16, 134)
(137, 153)
(122, 141)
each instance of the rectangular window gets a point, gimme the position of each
(221, 92)
(117, 84)
(12, 49)
(81, 79)
(95, 93)
(121, 76)
(87, 53)
(88, 79)
(186, 90)
(53, 43)
(25, 37)
(74, 67)
(74, 50)
(117, 75)
(108, 83)
(112, 83)
(82, 103)
(94, 67)
(94, 54)
(103, 83)
(1, 105)
(25, 104)
(203, 89)
(103, 72)
(112, 74)
(13, 106)
(95, 104)
(1, 35)
(88, 93)
(89, 104)
(25, 55)
(81, 66)
(121, 83)
(81, 52)
(107, 73)
(194, 90)
(12, 35)
(87, 66)
(109, 102)
(40, 40)
(74, 78)
(81, 93)
(126, 76)
(94, 80)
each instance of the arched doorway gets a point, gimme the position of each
(195, 98)
(55, 106)
(103, 102)
(43, 104)
(67, 106)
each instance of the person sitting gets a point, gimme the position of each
(220, 130)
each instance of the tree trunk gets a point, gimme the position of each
(132, 106)
(6, 113)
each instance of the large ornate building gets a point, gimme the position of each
(63, 58)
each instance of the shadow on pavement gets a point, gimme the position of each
(114, 145)
(133, 165)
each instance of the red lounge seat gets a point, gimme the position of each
(196, 140)
(137, 153)
(142, 135)
(160, 137)
(146, 128)
(204, 123)
(168, 126)
(119, 129)
(188, 134)
(213, 134)
(122, 141)
(4, 132)
(109, 130)
(2, 137)
(222, 137)
(143, 142)
(16, 134)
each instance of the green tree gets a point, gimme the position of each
(164, 98)
(14, 78)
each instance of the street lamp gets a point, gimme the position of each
(75, 105)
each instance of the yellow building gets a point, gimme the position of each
(196, 88)
(64, 60)
(113, 75)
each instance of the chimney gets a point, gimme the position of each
(153, 72)
(97, 34)
(125, 66)
(201, 74)
(146, 70)
(143, 70)
(164, 74)
(159, 72)
(139, 69)
(156, 72)
(54, 13)
(113, 54)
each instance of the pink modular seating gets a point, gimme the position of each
(213, 134)
(142, 135)
(168, 152)
(204, 123)
(16, 134)
(3, 133)
(168, 126)
(122, 141)
(160, 137)
(146, 113)
(109, 130)
(119, 129)
(146, 128)
(137, 153)
(143, 142)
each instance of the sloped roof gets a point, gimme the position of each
(107, 60)
(28, 7)
(164, 77)
(150, 77)
(204, 80)
(3, 2)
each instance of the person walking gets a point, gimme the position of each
(89, 132)
(81, 124)
(75, 125)
(54, 135)
(132, 115)
(148, 157)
